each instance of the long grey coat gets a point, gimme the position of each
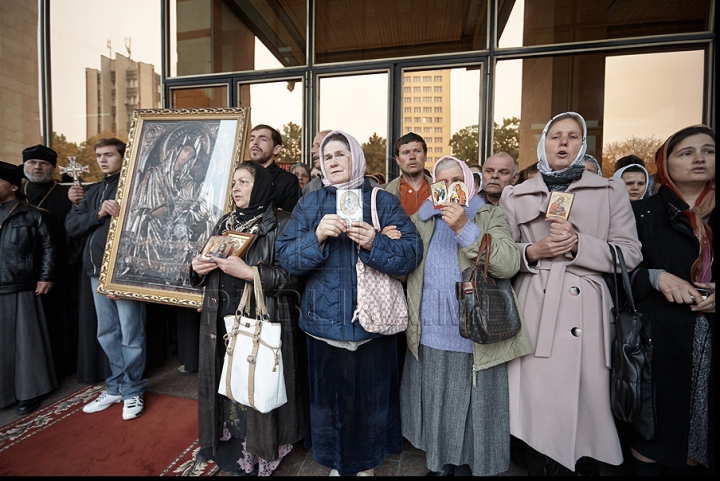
(560, 395)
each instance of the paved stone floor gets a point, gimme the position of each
(299, 462)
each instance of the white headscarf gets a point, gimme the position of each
(543, 165)
(593, 161)
(620, 171)
(357, 162)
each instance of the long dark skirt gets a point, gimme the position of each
(452, 421)
(354, 404)
(26, 363)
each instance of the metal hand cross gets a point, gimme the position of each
(74, 170)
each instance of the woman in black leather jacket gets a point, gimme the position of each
(224, 426)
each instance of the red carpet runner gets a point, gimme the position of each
(61, 440)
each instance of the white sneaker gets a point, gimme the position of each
(133, 407)
(102, 402)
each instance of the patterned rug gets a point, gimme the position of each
(61, 440)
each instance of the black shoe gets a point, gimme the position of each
(27, 406)
(586, 466)
(463, 470)
(447, 470)
(241, 472)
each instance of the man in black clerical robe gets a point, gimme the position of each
(62, 305)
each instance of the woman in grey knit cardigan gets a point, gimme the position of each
(454, 392)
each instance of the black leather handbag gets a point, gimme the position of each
(488, 312)
(631, 386)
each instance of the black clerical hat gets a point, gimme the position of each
(40, 152)
(11, 173)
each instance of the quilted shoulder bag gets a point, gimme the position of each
(252, 372)
(631, 386)
(488, 312)
(381, 304)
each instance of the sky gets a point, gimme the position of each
(635, 100)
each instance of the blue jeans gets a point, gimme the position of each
(121, 333)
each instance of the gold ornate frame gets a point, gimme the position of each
(175, 182)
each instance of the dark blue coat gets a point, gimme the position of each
(330, 295)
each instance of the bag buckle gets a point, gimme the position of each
(463, 288)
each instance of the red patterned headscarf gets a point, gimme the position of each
(704, 204)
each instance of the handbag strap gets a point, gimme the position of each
(243, 306)
(260, 309)
(245, 299)
(626, 280)
(616, 294)
(485, 244)
(619, 260)
(373, 208)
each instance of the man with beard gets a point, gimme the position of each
(413, 186)
(265, 145)
(61, 311)
(498, 171)
(317, 182)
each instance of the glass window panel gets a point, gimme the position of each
(528, 23)
(351, 30)
(263, 100)
(457, 109)
(100, 75)
(357, 104)
(199, 97)
(214, 36)
(631, 102)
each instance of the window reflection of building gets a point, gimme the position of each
(116, 90)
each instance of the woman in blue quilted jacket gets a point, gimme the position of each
(352, 373)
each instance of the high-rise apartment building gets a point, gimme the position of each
(116, 90)
(426, 110)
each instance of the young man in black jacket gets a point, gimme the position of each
(27, 270)
(121, 322)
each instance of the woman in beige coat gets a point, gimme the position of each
(559, 394)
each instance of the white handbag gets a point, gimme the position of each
(252, 372)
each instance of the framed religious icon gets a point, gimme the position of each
(458, 193)
(559, 204)
(231, 243)
(349, 205)
(174, 186)
(439, 193)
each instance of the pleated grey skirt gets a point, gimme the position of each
(452, 421)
